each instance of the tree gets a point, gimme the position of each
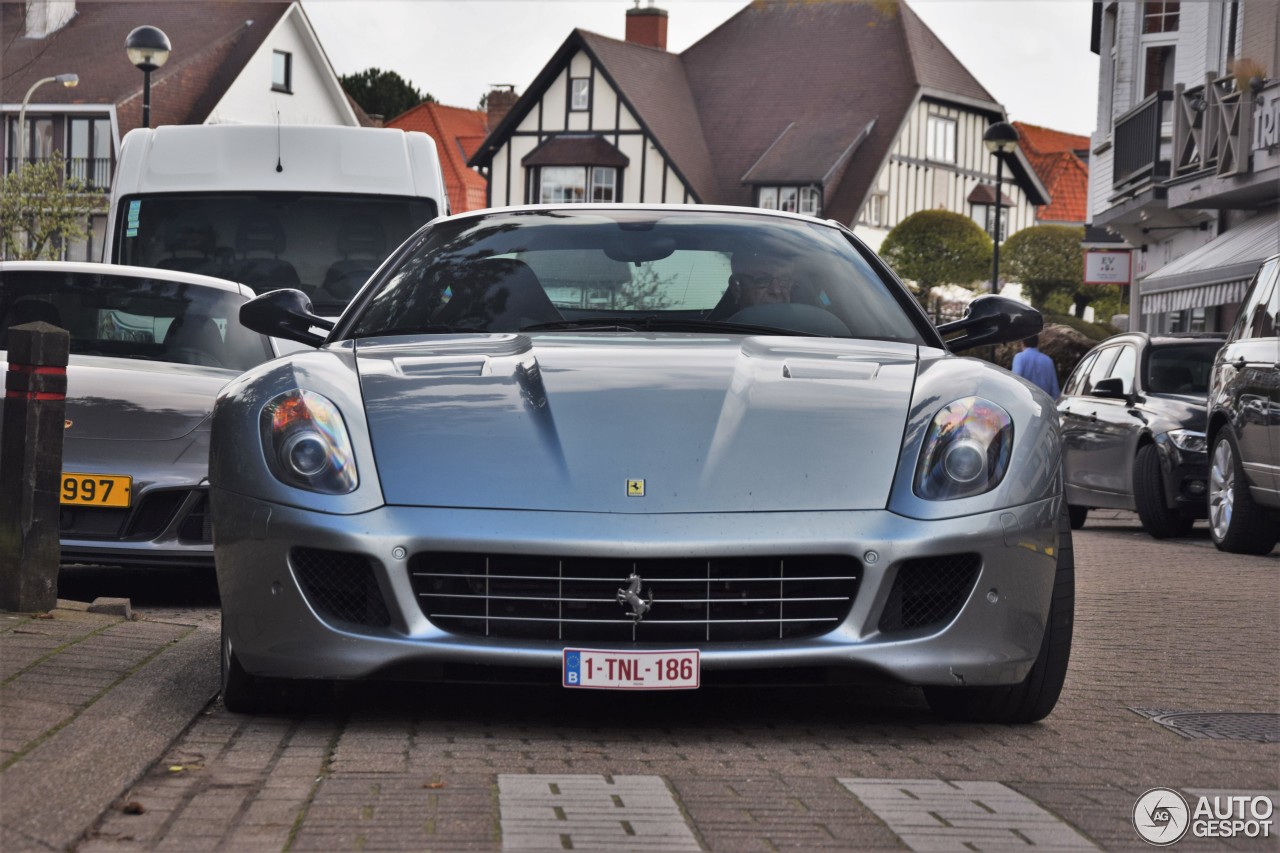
(40, 211)
(1047, 259)
(383, 93)
(936, 247)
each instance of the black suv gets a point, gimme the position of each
(1133, 416)
(1244, 423)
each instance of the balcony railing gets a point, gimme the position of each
(1212, 127)
(1137, 143)
(95, 172)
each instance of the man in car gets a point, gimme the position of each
(760, 279)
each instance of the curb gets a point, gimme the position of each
(89, 701)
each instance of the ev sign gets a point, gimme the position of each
(1106, 267)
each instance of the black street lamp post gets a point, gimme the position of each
(1001, 139)
(148, 49)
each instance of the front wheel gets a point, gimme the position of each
(1034, 697)
(1157, 517)
(1077, 514)
(243, 693)
(1236, 522)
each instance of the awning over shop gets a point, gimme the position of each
(1217, 272)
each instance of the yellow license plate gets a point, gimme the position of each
(96, 489)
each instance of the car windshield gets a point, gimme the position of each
(133, 317)
(1180, 368)
(327, 246)
(636, 270)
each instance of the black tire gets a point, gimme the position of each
(1035, 696)
(1236, 522)
(1157, 517)
(1077, 514)
(243, 693)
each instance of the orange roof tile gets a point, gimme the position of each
(457, 132)
(1052, 154)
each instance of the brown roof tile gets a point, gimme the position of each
(210, 42)
(1066, 177)
(576, 149)
(457, 132)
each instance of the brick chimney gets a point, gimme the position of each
(501, 98)
(647, 25)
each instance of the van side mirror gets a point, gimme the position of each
(992, 319)
(284, 314)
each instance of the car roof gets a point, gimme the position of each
(94, 268)
(1163, 339)
(656, 208)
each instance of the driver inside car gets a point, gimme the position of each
(759, 279)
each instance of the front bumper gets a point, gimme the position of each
(1186, 477)
(276, 631)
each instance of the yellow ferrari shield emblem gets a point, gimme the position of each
(635, 488)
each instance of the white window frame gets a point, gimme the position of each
(810, 201)
(982, 215)
(940, 139)
(579, 94)
(282, 71)
(577, 184)
(877, 208)
(767, 197)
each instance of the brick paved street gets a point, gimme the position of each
(1161, 626)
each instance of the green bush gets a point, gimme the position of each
(934, 247)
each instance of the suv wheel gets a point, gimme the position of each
(1236, 523)
(1148, 494)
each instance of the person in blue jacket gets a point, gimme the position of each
(1036, 367)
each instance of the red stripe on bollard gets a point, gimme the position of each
(33, 395)
(38, 370)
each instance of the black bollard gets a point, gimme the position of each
(31, 466)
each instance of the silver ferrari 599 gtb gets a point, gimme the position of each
(637, 447)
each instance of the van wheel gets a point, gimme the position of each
(1236, 522)
(1035, 696)
(1148, 494)
(1077, 514)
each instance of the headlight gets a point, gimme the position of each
(966, 450)
(306, 443)
(1188, 440)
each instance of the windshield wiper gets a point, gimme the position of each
(652, 323)
(428, 329)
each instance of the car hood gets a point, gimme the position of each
(123, 400)
(643, 423)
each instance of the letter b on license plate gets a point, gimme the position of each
(606, 669)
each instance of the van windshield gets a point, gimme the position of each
(325, 245)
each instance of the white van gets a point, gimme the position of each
(313, 207)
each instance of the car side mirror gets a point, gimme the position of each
(1111, 388)
(992, 319)
(284, 314)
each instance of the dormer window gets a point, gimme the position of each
(281, 71)
(580, 93)
(806, 200)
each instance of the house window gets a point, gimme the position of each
(580, 93)
(570, 184)
(806, 200)
(876, 210)
(1160, 17)
(941, 142)
(281, 71)
(89, 151)
(39, 132)
(985, 216)
(1158, 69)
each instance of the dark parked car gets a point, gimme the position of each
(1133, 416)
(1244, 423)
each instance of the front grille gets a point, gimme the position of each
(929, 591)
(340, 586)
(198, 524)
(576, 599)
(154, 513)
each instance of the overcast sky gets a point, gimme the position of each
(1032, 55)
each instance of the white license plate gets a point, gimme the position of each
(609, 669)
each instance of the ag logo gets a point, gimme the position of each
(1161, 816)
